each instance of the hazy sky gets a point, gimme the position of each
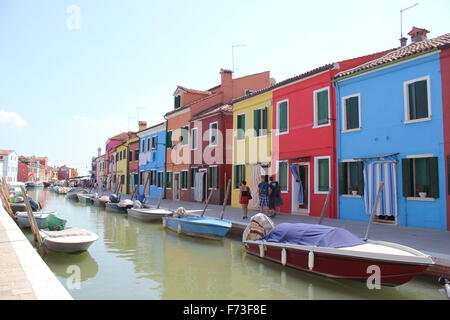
(66, 87)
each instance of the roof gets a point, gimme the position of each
(190, 104)
(220, 108)
(121, 136)
(6, 151)
(193, 90)
(401, 53)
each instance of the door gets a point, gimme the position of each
(297, 206)
(176, 186)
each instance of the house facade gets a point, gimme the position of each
(252, 143)
(390, 128)
(9, 165)
(152, 158)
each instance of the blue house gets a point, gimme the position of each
(390, 129)
(152, 159)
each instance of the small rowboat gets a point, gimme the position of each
(85, 198)
(40, 217)
(149, 215)
(17, 207)
(100, 202)
(70, 240)
(209, 228)
(334, 252)
(115, 207)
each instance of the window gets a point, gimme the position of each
(213, 134)
(420, 175)
(120, 155)
(260, 122)
(194, 138)
(168, 179)
(124, 154)
(136, 155)
(321, 174)
(177, 101)
(184, 179)
(212, 177)
(148, 144)
(184, 135)
(239, 175)
(417, 99)
(283, 175)
(351, 177)
(154, 143)
(169, 139)
(130, 156)
(160, 180)
(240, 126)
(248, 91)
(321, 107)
(153, 177)
(193, 171)
(143, 145)
(282, 117)
(351, 113)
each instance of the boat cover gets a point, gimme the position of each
(313, 235)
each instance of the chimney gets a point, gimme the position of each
(418, 34)
(226, 83)
(99, 152)
(403, 41)
(142, 125)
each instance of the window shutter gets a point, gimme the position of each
(352, 113)
(322, 107)
(418, 100)
(360, 166)
(177, 101)
(406, 176)
(343, 178)
(169, 139)
(434, 177)
(264, 119)
(282, 122)
(257, 121)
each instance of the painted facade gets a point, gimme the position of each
(9, 165)
(122, 167)
(390, 116)
(445, 76)
(252, 144)
(152, 158)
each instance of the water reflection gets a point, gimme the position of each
(136, 260)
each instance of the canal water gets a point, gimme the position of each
(136, 260)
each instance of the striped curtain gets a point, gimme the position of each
(374, 173)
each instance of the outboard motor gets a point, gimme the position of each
(34, 205)
(114, 198)
(137, 204)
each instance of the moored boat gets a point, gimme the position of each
(333, 252)
(149, 215)
(117, 207)
(33, 185)
(209, 228)
(40, 217)
(85, 198)
(17, 207)
(101, 201)
(70, 240)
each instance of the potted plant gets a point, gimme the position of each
(354, 190)
(422, 190)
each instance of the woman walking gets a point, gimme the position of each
(245, 196)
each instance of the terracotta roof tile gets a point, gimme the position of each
(213, 110)
(194, 90)
(6, 151)
(400, 53)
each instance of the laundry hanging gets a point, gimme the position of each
(296, 174)
(374, 173)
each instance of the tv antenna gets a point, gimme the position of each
(401, 18)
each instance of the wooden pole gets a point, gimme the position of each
(374, 208)
(5, 198)
(207, 202)
(225, 200)
(159, 200)
(325, 205)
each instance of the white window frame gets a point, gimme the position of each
(243, 178)
(287, 174)
(194, 141)
(349, 195)
(344, 113)
(151, 143)
(245, 125)
(316, 120)
(267, 130)
(316, 174)
(406, 99)
(217, 134)
(278, 133)
(419, 156)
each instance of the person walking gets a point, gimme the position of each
(263, 191)
(244, 198)
(274, 197)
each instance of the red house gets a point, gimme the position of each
(304, 138)
(445, 76)
(133, 166)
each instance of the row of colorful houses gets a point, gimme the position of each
(341, 129)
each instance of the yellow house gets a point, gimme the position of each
(252, 122)
(122, 167)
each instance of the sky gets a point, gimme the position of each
(75, 72)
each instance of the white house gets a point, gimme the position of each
(9, 165)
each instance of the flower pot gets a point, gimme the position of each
(422, 194)
(355, 192)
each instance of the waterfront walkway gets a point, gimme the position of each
(24, 275)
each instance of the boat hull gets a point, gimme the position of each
(339, 266)
(69, 244)
(113, 207)
(41, 220)
(197, 227)
(16, 207)
(99, 203)
(85, 200)
(72, 196)
(148, 216)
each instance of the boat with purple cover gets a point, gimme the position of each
(332, 252)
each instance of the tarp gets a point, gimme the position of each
(312, 235)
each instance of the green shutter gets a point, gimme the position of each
(282, 113)
(418, 100)
(322, 107)
(236, 183)
(282, 176)
(241, 126)
(343, 178)
(169, 139)
(406, 177)
(434, 177)
(324, 177)
(177, 101)
(360, 166)
(352, 113)
(264, 120)
(257, 121)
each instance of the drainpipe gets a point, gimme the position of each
(338, 145)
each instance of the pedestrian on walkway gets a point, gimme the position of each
(263, 191)
(274, 197)
(245, 196)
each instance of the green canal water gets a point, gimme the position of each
(136, 260)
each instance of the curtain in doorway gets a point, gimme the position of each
(374, 173)
(296, 174)
(255, 177)
(198, 184)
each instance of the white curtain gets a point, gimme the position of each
(255, 177)
(198, 184)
